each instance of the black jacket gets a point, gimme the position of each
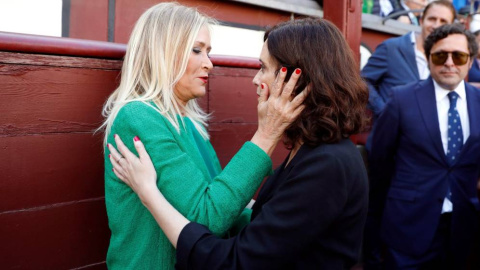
(309, 215)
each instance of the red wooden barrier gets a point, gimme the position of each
(52, 213)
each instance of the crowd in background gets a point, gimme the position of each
(409, 11)
(423, 159)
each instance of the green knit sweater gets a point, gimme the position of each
(137, 242)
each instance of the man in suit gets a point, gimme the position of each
(397, 61)
(474, 73)
(401, 60)
(425, 160)
(410, 5)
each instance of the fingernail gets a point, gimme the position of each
(136, 138)
(261, 85)
(115, 135)
(109, 155)
(284, 69)
(298, 71)
(112, 170)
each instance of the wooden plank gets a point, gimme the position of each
(232, 100)
(89, 19)
(235, 70)
(64, 237)
(43, 170)
(58, 61)
(39, 100)
(232, 96)
(127, 13)
(372, 38)
(227, 139)
(14, 42)
(347, 16)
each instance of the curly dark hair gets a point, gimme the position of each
(450, 29)
(337, 98)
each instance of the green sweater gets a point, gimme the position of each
(137, 242)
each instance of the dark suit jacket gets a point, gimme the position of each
(309, 215)
(407, 148)
(392, 64)
(474, 72)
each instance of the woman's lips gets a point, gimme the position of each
(204, 79)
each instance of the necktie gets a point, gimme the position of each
(455, 134)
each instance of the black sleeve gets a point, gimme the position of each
(302, 208)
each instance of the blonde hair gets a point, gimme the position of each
(156, 58)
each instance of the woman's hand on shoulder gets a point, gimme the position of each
(137, 172)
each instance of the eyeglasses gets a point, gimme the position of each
(459, 58)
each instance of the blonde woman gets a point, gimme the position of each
(165, 69)
(310, 214)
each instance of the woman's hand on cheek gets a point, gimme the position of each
(276, 108)
(262, 107)
(137, 172)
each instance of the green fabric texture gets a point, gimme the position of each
(209, 159)
(137, 242)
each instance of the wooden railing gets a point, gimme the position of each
(52, 210)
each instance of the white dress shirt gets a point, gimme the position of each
(422, 66)
(443, 104)
(385, 7)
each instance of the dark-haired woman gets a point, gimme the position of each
(311, 212)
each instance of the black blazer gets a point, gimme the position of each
(309, 215)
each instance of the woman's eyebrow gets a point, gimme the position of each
(202, 44)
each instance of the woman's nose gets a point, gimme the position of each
(256, 80)
(207, 64)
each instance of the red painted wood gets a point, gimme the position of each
(15, 42)
(51, 165)
(89, 19)
(235, 61)
(127, 13)
(46, 169)
(228, 138)
(36, 99)
(373, 38)
(57, 237)
(347, 16)
(45, 49)
(28, 59)
(232, 95)
(52, 211)
(233, 104)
